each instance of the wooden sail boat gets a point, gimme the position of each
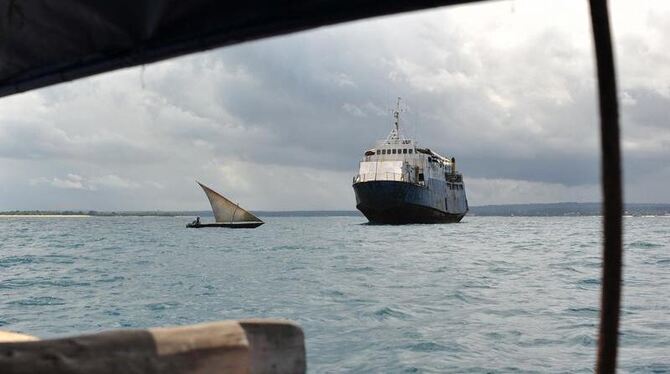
(226, 213)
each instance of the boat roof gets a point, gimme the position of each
(43, 43)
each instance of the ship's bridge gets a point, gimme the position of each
(390, 150)
(397, 159)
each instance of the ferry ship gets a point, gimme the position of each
(399, 182)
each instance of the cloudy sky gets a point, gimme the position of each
(508, 88)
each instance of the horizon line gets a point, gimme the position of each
(305, 210)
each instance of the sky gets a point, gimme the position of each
(508, 88)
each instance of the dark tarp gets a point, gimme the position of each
(43, 42)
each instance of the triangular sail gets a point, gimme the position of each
(225, 210)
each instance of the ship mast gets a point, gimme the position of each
(395, 133)
(396, 115)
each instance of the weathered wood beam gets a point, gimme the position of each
(250, 346)
(10, 336)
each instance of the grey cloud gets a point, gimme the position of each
(301, 109)
(91, 183)
(28, 140)
(460, 118)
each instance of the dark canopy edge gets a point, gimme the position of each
(273, 20)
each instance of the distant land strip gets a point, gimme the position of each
(567, 209)
(527, 210)
(165, 213)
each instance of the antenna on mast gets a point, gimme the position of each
(396, 115)
(395, 133)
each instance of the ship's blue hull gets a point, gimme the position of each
(393, 202)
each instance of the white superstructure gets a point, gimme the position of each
(397, 159)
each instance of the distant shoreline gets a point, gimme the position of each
(2, 215)
(293, 213)
(521, 210)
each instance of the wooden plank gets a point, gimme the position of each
(254, 346)
(277, 346)
(9, 336)
(174, 340)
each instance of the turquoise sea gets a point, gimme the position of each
(490, 294)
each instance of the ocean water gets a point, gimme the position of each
(491, 294)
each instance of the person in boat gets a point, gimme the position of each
(197, 221)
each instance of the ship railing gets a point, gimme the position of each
(455, 178)
(384, 176)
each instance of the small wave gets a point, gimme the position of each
(655, 368)
(477, 286)
(389, 313)
(285, 248)
(589, 282)
(538, 342)
(16, 283)
(23, 283)
(513, 312)
(29, 259)
(16, 260)
(503, 336)
(116, 278)
(644, 245)
(110, 248)
(161, 306)
(58, 259)
(562, 267)
(501, 270)
(583, 340)
(65, 283)
(441, 269)
(333, 293)
(489, 370)
(584, 325)
(359, 269)
(39, 301)
(427, 347)
(585, 311)
(460, 296)
(494, 335)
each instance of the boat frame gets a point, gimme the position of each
(230, 225)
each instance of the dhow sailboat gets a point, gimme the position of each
(226, 213)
